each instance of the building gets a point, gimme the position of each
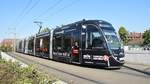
(135, 38)
(7, 42)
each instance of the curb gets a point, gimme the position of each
(10, 58)
(59, 82)
(7, 57)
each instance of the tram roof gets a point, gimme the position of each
(43, 34)
(84, 22)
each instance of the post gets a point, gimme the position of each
(14, 41)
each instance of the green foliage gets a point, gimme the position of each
(6, 48)
(12, 73)
(146, 37)
(123, 34)
(45, 30)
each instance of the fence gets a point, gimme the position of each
(138, 56)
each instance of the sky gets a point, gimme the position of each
(19, 15)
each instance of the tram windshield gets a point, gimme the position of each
(94, 38)
(112, 38)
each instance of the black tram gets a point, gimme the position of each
(92, 42)
(96, 43)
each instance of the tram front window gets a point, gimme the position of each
(94, 38)
(112, 39)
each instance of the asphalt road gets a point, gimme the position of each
(75, 74)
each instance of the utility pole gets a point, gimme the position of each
(15, 40)
(39, 23)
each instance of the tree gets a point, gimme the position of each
(45, 30)
(146, 37)
(123, 34)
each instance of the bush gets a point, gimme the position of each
(6, 48)
(13, 73)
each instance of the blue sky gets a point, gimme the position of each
(134, 15)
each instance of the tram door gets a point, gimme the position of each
(92, 43)
(76, 45)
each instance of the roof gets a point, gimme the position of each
(84, 22)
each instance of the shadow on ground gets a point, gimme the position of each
(138, 70)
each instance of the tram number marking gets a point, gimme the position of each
(95, 57)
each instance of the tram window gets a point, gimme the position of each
(58, 42)
(45, 45)
(67, 42)
(37, 44)
(94, 37)
(24, 42)
(84, 37)
(30, 45)
(46, 42)
(96, 40)
(76, 36)
(20, 44)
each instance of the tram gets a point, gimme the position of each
(91, 42)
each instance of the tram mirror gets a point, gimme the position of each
(84, 26)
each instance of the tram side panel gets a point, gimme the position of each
(31, 46)
(42, 45)
(51, 45)
(63, 41)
